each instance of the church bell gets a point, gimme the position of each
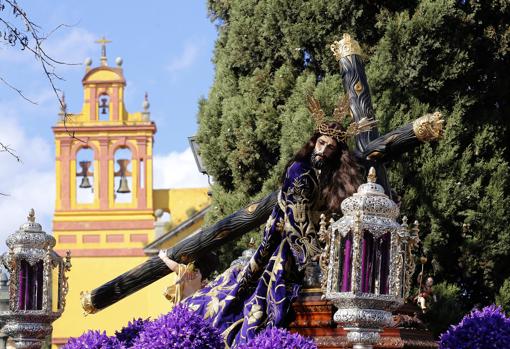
(123, 186)
(85, 182)
(123, 172)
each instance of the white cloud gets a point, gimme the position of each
(28, 184)
(178, 170)
(72, 47)
(185, 60)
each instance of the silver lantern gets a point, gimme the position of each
(37, 285)
(367, 263)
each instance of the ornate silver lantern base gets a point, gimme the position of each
(28, 331)
(365, 315)
(362, 338)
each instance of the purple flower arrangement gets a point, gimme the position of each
(129, 333)
(179, 329)
(279, 338)
(183, 329)
(94, 340)
(481, 329)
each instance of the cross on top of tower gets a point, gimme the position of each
(103, 41)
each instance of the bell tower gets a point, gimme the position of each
(105, 200)
(104, 169)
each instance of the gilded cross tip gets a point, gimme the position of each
(345, 47)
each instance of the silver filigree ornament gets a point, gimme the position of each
(38, 285)
(367, 262)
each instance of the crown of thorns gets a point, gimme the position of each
(341, 114)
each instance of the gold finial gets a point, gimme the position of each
(345, 47)
(372, 177)
(86, 303)
(429, 127)
(322, 223)
(103, 41)
(31, 215)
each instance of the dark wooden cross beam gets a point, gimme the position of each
(372, 150)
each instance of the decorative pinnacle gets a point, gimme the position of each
(416, 227)
(372, 177)
(63, 105)
(146, 103)
(404, 222)
(322, 223)
(67, 263)
(31, 215)
(103, 41)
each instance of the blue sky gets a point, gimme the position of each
(166, 47)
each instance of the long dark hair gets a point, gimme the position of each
(339, 179)
(207, 263)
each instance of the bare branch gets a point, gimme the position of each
(7, 149)
(14, 36)
(17, 90)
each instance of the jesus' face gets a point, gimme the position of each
(325, 147)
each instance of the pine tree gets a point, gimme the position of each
(422, 56)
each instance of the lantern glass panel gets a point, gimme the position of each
(384, 243)
(367, 262)
(30, 289)
(345, 263)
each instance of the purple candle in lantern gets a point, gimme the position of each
(346, 272)
(385, 267)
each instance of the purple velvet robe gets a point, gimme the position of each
(244, 300)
